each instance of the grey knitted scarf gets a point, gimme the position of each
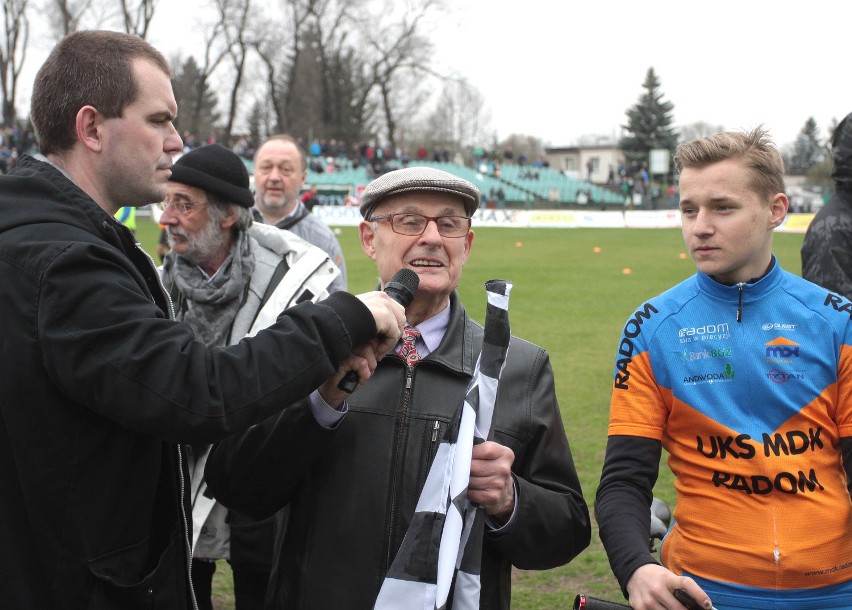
(209, 306)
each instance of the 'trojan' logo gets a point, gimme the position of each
(780, 377)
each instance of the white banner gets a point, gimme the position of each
(349, 216)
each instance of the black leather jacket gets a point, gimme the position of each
(97, 387)
(352, 490)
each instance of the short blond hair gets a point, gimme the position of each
(755, 148)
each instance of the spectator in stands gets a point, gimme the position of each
(241, 147)
(162, 244)
(279, 173)
(316, 148)
(483, 205)
(827, 249)
(310, 197)
(501, 203)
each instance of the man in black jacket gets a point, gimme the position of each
(827, 249)
(99, 384)
(352, 489)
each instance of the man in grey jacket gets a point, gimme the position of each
(230, 277)
(280, 169)
(352, 489)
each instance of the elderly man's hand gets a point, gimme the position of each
(390, 319)
(491, 485)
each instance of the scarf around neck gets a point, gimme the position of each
(210, 305)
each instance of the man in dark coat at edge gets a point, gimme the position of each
(827, 249)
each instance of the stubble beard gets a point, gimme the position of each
(275, 207)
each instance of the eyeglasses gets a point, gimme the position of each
(415, 224)
(180, 207)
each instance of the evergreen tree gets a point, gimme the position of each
(345, 109)
(649, 123)
(197, 103)
(255, 124)
(808, 149)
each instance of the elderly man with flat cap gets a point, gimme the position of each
(228, 278)
(353, 488)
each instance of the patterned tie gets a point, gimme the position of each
(407, 350)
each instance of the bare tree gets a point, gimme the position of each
(16, 29)
(214, 53)
(341, 64)
(137, 18)
(522, 144)
(280, 60)
(397, 47)
(341, 83)
(234, 15)
(460, 119)
(67, 16)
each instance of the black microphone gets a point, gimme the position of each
(401, 288)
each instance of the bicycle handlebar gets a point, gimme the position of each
(585, 602)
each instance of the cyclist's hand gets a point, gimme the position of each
(651, 587)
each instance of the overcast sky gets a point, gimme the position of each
(559, 70)
(563, 69)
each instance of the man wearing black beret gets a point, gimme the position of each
(228, 278)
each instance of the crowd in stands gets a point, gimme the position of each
(13, 141)
(631, 182)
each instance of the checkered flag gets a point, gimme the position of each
(442, 548)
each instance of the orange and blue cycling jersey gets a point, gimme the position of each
(749, 390)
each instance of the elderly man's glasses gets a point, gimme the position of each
(415, 224)
(180, 207)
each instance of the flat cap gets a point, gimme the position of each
(413, 179)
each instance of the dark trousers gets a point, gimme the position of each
(249, 585)
(202, 582)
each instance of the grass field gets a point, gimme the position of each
(572, 300)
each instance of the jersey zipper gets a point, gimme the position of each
(740, 287)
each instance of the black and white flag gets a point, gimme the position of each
(442, 548)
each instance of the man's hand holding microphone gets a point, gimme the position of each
(388, 309)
